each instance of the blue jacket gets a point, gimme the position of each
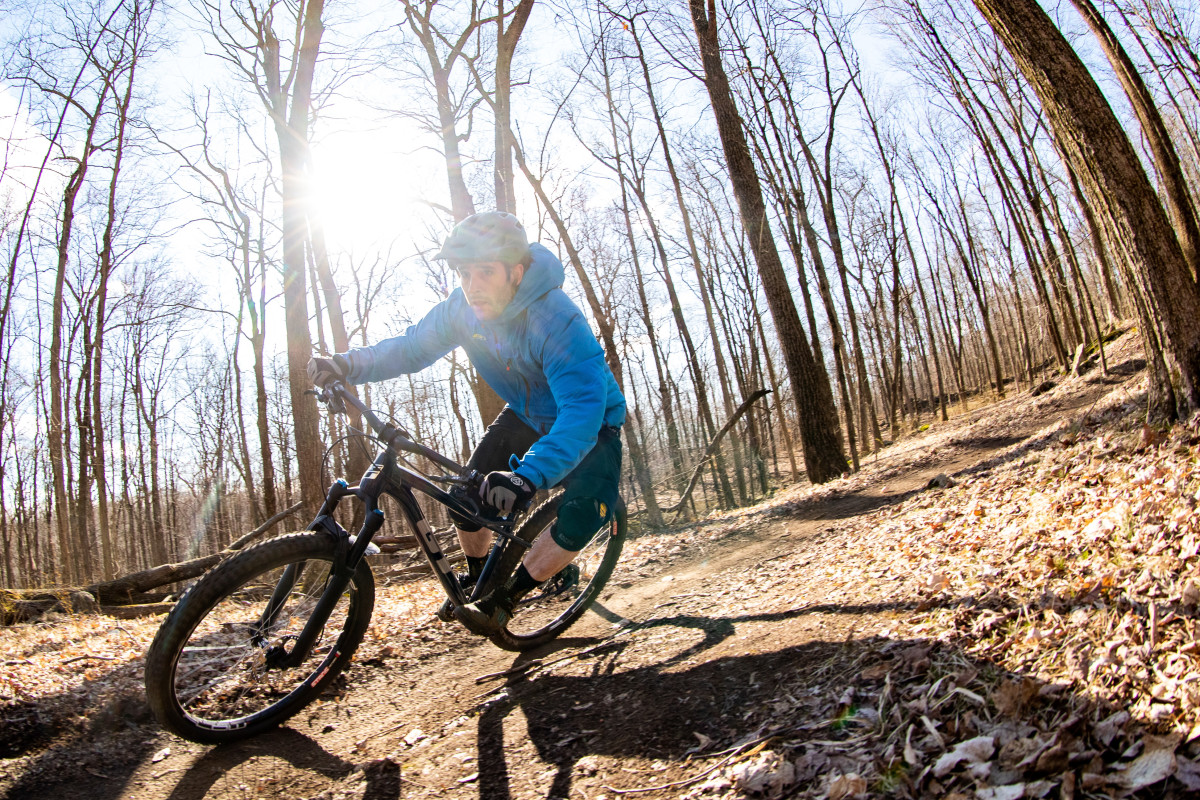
(540, 356)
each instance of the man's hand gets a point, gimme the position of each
(322, 371)
(506, 492)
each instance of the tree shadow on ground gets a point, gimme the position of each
(655, 711)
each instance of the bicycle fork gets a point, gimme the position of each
(347, 553)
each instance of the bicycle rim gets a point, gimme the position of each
(552, 608)
(219, 684)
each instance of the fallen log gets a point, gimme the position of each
(18, 606)
(266, 526)
(122, 590)
(138, 610)
(129, 596)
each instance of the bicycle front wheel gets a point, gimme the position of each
(556, 605)
(207, 673)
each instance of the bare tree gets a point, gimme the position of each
(1112, 177)
(823, 457)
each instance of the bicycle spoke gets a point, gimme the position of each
(222, 673)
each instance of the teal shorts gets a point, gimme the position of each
(590, 490)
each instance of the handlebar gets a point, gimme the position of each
(337, 397)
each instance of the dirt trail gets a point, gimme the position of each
(708, 638)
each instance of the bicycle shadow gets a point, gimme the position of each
(75, 767)
(383, 781)
(653, 711)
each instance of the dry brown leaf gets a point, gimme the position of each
(1156, 763)
(1013, 696)
(971, 751)
(770, 773)
(846, 786)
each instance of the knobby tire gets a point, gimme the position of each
(206, 678)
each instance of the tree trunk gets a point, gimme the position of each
(506, 46)
(823, 457)
(1091, 137)
(1158, 138)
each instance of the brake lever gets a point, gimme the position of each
(327, 397)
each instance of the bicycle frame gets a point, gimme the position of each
(387, 477)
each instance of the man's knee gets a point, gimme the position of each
(463, 524)
(578, 521)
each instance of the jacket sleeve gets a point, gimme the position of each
(573, 363)
(417, 348)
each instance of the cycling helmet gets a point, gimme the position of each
(487, 236)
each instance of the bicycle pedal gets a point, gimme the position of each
(564, 580)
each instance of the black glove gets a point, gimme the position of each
(322, 371)
(506, 492)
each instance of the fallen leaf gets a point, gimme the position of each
(847, 785)
(1053, 760)
(1013, 696)
(770, 772)
(160, 755)
(1012, 791)
(1039, 788)
(1188, 773)
(876, 672)
(1107, 729)
(972, 751)
(1156, 763)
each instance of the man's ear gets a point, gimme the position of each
(518, 273)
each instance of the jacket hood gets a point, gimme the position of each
(544, 274)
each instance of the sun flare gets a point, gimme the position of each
(373, 187)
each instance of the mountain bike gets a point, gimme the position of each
(261, 635)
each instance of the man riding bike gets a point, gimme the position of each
(561, 424)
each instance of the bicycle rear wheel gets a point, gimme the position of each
(552, 608)
(207, 677)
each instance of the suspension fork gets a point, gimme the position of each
(346, 556)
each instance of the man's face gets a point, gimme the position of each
(489, 287)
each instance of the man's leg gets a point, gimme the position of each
(475, 544)
(591, 492)
(546, 558)
(506, 436)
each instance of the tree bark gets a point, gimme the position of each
(1158, 138)
(1091, 137)
(823, 457)
(506, 47)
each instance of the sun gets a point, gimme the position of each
(375, 187)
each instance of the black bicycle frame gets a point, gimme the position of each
(386, 477)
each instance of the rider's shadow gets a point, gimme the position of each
(650, 712)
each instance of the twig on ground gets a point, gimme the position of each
(383, 733)
(760, 740)
(84, 658)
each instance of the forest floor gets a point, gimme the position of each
(1028, 631)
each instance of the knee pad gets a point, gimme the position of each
(578, 521)
(462, 523)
